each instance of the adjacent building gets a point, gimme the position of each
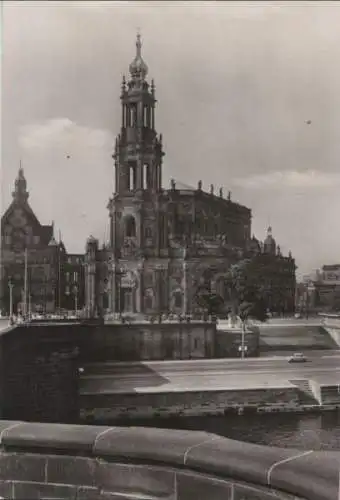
(276, 274)
(320, 291)
(34, 267)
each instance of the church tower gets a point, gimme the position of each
(138, 150)
(135, 214)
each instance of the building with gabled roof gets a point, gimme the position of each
(28, 244)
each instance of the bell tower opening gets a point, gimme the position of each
(130, 226)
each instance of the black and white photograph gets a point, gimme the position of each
(170, 251)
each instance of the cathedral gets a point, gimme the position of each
(165, 242)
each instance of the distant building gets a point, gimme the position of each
(73, 268)
(277, 274)
(327, 287)
(47, 260)
(165, 243)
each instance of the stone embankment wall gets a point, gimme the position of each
(38, 375)
(331, 323)
(101, 463)
(103, 407)
(148, 341)
(330, 394)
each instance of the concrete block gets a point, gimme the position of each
(71, 470)
(6, 489)
(135, 480)
(24, 491)
(241, 461)
(242, 492)
(190, 486)
(22, 467)
(297, 475)
(148, 444)
(52, 437)
(87, 493)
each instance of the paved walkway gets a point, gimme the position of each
(4, 323)
(186, 376)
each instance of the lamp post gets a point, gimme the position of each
(75, 292)
(29, 307)
(10, 286)
(243, 348)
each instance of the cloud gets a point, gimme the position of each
(63, 134)
(69, 171)
(308, 179)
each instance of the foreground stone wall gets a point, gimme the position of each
(102, 463)
(102, 407)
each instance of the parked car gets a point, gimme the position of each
(298, 357)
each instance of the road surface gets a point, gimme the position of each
(195, 375)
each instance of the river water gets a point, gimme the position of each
(303, 431)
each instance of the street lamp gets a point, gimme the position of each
(243, 348)
(10, 286)
(75, 292)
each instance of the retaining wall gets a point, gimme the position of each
(102, 463)
(102, 407)
(330, 394)
(38, 375)
(331, 323)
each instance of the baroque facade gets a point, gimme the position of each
(165, 243)
(33, 261)
(276, 274)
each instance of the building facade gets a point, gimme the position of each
(34, 266)
(321, 291)
(276, 274)
(165, 243)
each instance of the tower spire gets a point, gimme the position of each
(138, 44)
(138, 68)
(20, 193)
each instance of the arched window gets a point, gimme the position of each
(130, 226)
(177, 300)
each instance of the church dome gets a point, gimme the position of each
(138, 67)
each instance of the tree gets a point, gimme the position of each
(247, 291)
(211, 302)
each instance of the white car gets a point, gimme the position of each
(298, 357)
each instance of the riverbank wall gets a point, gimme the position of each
(331, 323)
(289, 398)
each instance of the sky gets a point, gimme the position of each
(248, 100)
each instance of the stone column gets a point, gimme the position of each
(113, 284)
(158, 290)
(140, 294)
(139, 227)
(185, 288)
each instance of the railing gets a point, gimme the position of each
(88, 462)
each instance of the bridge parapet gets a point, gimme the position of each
(97, 463)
